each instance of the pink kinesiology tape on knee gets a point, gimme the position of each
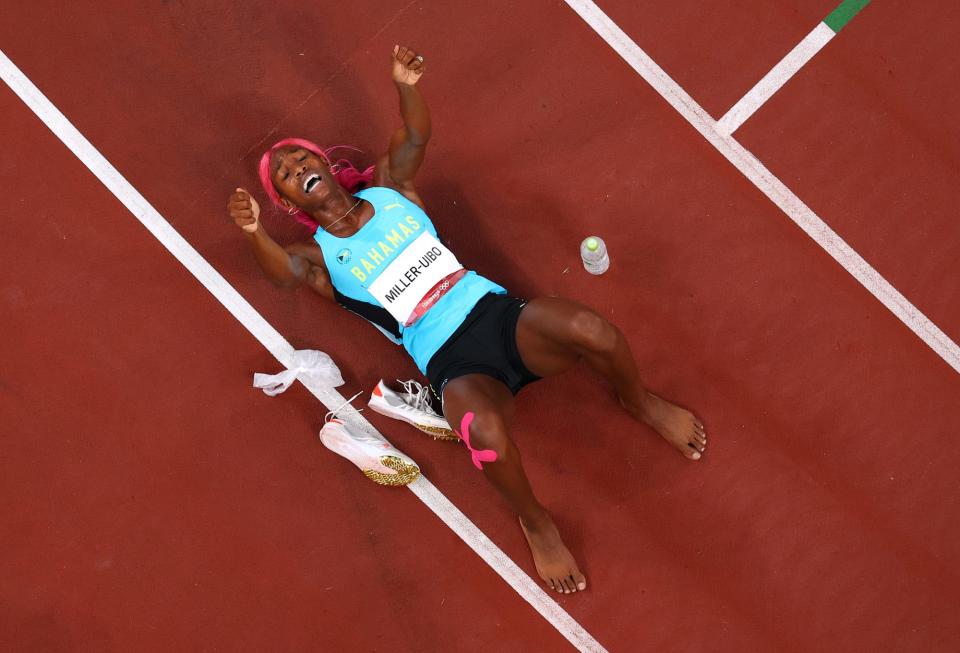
(478, 456)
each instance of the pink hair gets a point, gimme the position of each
(343, 171)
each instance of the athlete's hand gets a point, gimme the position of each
(244, 210)
(407, 66)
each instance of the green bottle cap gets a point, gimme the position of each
(593, 244)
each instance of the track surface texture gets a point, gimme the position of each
(150, 500)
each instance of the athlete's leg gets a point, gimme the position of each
(554, 333)
(492, 405)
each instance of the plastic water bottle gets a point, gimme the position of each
(593, 251)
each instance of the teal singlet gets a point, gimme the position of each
(390, 264)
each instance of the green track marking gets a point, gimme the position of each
(840, 16)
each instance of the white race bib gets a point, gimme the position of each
(410, 276)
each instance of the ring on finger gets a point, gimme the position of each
(419, 58)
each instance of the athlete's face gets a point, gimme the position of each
(301, 177)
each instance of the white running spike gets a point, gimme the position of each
(412, 407)
(379, 460)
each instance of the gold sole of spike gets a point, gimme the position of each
(437, 432)
(406, 473)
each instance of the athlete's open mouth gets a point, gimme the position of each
(311, 182)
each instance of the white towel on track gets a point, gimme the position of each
(308, 365)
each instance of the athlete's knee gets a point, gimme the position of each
(593, 333)
(488, 431)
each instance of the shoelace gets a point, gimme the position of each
(419, 395)
(333, 413)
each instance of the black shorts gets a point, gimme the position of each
(486, 343)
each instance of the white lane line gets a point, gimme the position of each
(277, 345)
(796, 59)
(751, 167)
(511, 573)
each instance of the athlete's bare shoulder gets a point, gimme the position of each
(306, 259)
(381, 177)
(309, 250)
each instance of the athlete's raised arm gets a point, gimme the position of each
(286, 267)
(409, 143)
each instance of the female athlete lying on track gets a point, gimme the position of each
(375, 252)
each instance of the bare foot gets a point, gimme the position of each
(678, 426)
(553, 561)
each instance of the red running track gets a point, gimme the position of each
(152, 500)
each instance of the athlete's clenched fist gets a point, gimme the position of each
(408, 66)
(244, 210)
